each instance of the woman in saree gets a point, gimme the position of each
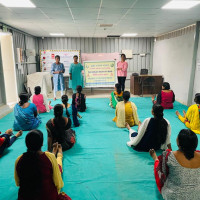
(126, 111)
(26, 116)
(191, 118)
(37, 173)
(116, 96)
(153, 133)
(177, 172)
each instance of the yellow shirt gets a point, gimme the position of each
(129, 114)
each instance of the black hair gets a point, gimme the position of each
(29, 170)
(188, 142)
(79, 89)
(24, 97)
(126, 95)
(123, 55)
(37, 90)
(160, 129)
(59, 123)
(118, 87)
(57, 56)
(166, 85)
(197, 98)
(75, 56)
(65, 99)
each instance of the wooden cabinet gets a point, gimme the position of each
(136, 84)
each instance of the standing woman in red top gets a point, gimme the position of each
(165, 97)
(122, 67)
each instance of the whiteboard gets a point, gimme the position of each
(47, 58)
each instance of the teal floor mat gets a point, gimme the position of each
(100, 166)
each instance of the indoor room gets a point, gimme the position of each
(99, 99)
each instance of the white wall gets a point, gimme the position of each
(172, 58)
(197, 73)
(9, 72)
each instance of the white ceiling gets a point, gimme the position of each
(81, 18)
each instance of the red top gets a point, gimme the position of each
(1, 141)
(38, 100)
(48, 188)
(167, 99)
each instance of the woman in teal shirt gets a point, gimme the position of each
(76, 77)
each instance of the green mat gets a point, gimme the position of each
(100, 166)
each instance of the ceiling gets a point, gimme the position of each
(81, 18)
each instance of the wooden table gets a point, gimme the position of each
(136, 84)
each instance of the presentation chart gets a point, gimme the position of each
(100, 73)
(47, 57)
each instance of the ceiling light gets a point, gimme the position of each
(180, 4)
(129, 34)
(17, 3)
(56, 34)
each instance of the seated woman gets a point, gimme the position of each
(6, 140)
(191, 118)
(116, 96)
(153, 133)
(126, 111)
(71, 110)
(177, 172)
(79, 99)
(166, 97)
(40, 101)
(57, 127)
(26, 116)
(37, 173)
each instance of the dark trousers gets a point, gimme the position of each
(7, 143)
(121, 81)
(74, 116)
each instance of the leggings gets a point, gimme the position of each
(121, 81)
(7, 143)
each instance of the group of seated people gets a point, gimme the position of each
(173, 170)
(37, 173)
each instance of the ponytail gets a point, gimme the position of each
(160, 128)
(188, 142)
(59, 122)
(29, 170)
(79, 90)
(65, 102)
